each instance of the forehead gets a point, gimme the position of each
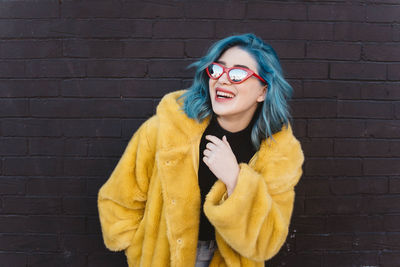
(238, 56)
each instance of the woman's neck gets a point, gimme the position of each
(232, 124)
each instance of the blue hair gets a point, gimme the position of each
(274, 111)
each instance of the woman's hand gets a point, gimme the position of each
(219, 158)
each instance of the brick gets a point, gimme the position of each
(364, 109)
(268, 31)
(317, 147)
(31, 205)
(28, 88)
(80, 205)
(333, 166)
(50, 68)
(20, 28)
(13, 108)
(55, 224)
(336, 12)
(336, 205)
(378, 91)
(384, 204)
(94, 184)
(30, 49)
(397, 110)
(335, 51)
(354, 223)
(383, 13)
(289, 49)
(216, 10)
(303, 70)
(91, 88)
(26, 10)
(153, 49)
(120, 28)
(277, 10)
(82, 243)
(75, 147)
(112, 9)
(65, 259)
(13, 223)
(183, 29)
(381, 52)
(391, 223)
(380, 166)
(351, 259)
(396, 32)
(197, 48)
(394, 72)
(93, 225)
(297, 86)
(336, 128)
(333, 89)
(389, 258)
(55, 186)
(383, 128)
(92, 48)
(352, 31)
(394, 185)
(106, 147)
(105, 259)
(12, 186)
(153, 10)
(90, 108)
(88, 167)
(363, 148)
(13, 146)
(129, 127)
(309, 224)
(314, 108)
(376, 241)
(148, 87)
(355, 186)
(91, 127)
(31, 166)
(316, 187)
(12, 69)
(46, 146)
(116, 68)
(358, 71)
(309, 260)
(323, 242)
(14, 259)
(170, 69)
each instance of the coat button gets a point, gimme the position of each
(179, 241)
(173, 201)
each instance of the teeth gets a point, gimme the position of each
(219, 93)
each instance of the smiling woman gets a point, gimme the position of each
(209, 180)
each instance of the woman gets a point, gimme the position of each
(217, 162)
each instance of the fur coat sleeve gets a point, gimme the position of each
(254, 219)
(122, 199)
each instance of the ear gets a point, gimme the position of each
(263, 94)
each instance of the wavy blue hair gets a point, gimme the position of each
(274, 110)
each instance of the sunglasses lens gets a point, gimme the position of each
(215, 70)
(237, 75)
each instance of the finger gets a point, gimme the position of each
(226, 141)
(214, 139)
(210, 146)
(207, 152)
(205, 160)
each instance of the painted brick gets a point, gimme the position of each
(153, 49)
(12, 185)
(92, 48)
(183, 29)
(323, 242)
(30, 49)
(311, 70)
(32, 166)
(354, 223)
(15, 259)
(66, 258)
(153, 10)
(394, 72)
(91, 127)
(350, 259)
(55, 186)
(31, 205)
(216, 10)
(13, 146)
(380, 166)
(329, 50)
(290, 11)
(383, 128)
(29, 88)
(358, 71)
(362, 32)
(332, 89)
(336, 12)
(83, 88)
(383, 13)
(146, 88)
(116, 68)
(336, 128)
(314, 109)
(382, 52)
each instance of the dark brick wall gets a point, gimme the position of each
(77, 78)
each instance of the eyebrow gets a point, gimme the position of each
(236, 65)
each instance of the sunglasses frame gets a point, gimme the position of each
(227, 70)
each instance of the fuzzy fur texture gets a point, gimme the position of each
(150, 205)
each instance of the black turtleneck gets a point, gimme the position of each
(243, 149)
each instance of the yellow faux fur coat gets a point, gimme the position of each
(150, 205)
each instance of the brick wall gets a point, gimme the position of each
(77, 78)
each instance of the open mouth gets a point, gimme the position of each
(223, 94)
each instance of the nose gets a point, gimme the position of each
(224, 78)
